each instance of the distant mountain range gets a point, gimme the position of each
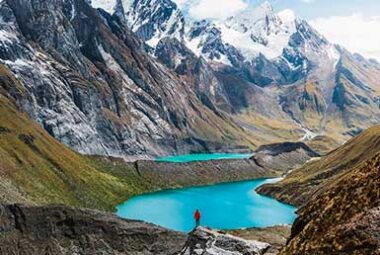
(137, 78)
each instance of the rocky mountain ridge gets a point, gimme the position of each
(309, 84)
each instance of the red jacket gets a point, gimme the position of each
(197, 215)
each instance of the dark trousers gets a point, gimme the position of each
(197, 223)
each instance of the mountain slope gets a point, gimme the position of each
(35, 168)
(302, 184)
(338, 199)
(343, 218)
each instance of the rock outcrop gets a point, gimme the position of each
(58, 230)
(208, 242)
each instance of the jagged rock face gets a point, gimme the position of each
(90, 83)
(356, 90)
(163, 16)
(61, 230)
(196, 71)
(209, 242)
(267, 47)
(305, 104)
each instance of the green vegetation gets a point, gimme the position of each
(302, 183)
(36, 168)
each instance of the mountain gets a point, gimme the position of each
(343, 218)
(143, 81)
(165, 20)
(90, 83)
(274, 73)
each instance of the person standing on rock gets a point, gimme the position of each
(197, 217)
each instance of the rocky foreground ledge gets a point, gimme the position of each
(209, 242)
(56, 230)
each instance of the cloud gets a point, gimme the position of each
(180, 3)
(308, 1)
(215, 9)
(357, 33)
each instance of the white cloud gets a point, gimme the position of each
(357, 33)
(215, 9)
(180, 3)
(308, 1)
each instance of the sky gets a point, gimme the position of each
(354, 24)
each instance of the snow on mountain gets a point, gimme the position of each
(268, 46)
(153, 20)
(107, 5)
(258, 30)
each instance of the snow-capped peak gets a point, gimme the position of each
(257, 30)
(153, 20)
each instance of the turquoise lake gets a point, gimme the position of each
(223, 206)
(202, 157)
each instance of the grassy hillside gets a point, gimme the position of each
(302, 183)
(35, 167)
(343, 217)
